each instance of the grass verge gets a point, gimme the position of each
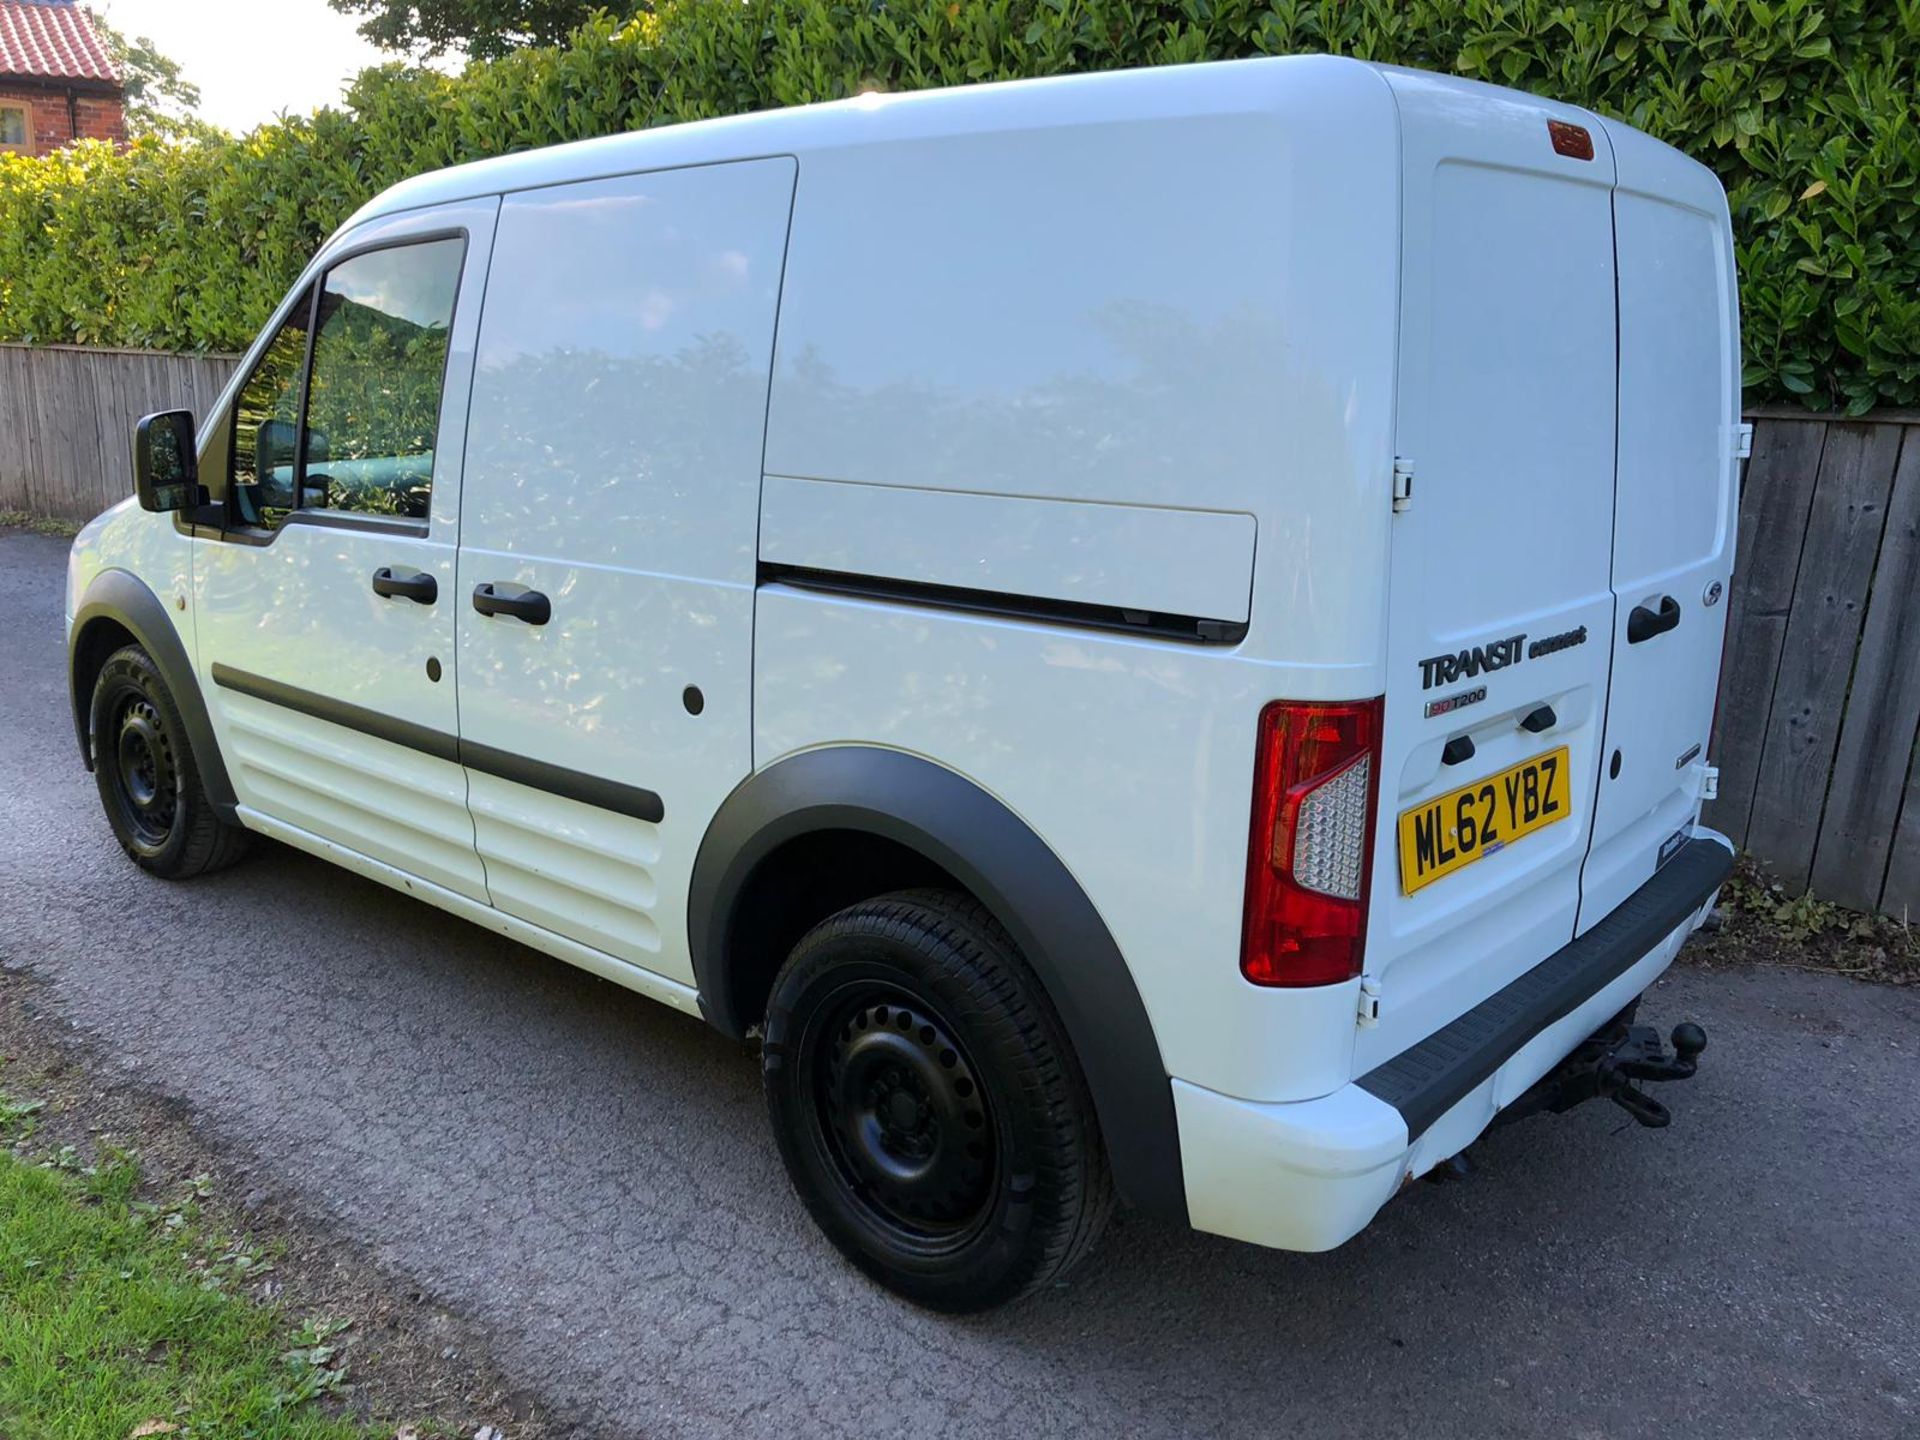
(38, 524)
(121, 1316)
(153, 1283)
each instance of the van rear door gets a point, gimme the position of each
(1675, 508)
(1500, 612)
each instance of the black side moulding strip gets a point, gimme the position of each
(634, 800)
(1193, 629)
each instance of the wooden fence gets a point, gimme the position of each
(1820, 692)
(1820, 700)
(66, 420)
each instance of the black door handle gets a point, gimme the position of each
(529, 605)
(421, 589)
(1644, 624)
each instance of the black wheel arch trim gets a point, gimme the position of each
(953, 823)
(126, 600)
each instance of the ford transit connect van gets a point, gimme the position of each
(1151, 635)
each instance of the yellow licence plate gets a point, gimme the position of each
(1444, 834)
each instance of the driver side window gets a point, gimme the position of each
(373, 400)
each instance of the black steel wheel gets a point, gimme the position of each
(149, 785)
(144, 781)
(927, 1106)
(903, 1119)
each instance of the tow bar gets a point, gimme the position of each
(1607, 1063)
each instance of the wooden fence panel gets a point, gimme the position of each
(66, 420)
(1773, 522)
(1816, 658)
(1900, 897)
(1820, 694)
(1882, 710)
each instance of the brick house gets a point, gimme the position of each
(57, 84)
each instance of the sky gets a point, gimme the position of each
(251, 58)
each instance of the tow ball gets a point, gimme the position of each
(1606, 1064)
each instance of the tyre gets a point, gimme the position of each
(927, 1106)
(149, 783)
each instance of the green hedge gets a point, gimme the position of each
(1806, 108)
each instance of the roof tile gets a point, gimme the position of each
(51, 40)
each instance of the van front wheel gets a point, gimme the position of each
(148, 779)
(927, 1106)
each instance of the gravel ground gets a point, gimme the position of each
(587, 1180)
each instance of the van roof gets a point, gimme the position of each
(1119, 96)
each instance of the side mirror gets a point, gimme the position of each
(166, 469)
(316, 486)
(273, 463)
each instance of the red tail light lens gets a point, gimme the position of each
(1316, 785)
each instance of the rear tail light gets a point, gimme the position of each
(1316, 782)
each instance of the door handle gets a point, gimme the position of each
(529, 605)
(1644, 624)
(421, 589)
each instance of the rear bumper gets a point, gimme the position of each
(1310, 1174)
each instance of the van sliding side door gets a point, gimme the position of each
(607, 567)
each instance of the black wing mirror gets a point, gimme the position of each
(166, 470)
(273, 445)
(316, 485)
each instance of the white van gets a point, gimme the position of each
(1151, 634)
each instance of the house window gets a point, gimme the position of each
(13, 128)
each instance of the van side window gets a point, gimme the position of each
(373, 399)
(260, 463)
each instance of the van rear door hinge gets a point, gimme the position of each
(1742, 441)
(1707, 782)
(1369, 1015)
(1402, 484)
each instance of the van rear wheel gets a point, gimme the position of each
(148, 779)
(927, 1106)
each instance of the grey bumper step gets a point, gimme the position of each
(1425, 1081)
